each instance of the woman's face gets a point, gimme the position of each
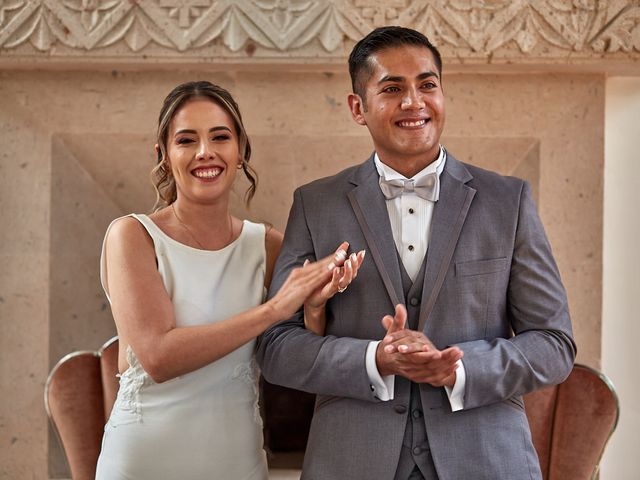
(203, 152)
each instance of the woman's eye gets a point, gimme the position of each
(221, 138)
(183, 141)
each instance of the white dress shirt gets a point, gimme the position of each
(410, 218)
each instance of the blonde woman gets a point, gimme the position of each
(186, 286)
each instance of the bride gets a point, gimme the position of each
(186, 286)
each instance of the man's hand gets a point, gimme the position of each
(412, 355)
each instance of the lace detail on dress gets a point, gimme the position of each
(249, 373)
(127, 407)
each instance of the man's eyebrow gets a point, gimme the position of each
(390, 78)
(428, 74)
(396, 78)
(212, 129)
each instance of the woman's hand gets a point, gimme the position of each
(341, 278)
(304, 281)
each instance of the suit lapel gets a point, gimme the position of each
(369, 206)
(449, 215)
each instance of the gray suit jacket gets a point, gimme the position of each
(491, 287)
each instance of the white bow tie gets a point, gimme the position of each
(427, 187)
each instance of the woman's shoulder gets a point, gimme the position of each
(273, 240)
(128, 231)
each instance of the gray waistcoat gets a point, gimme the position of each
(415, 446)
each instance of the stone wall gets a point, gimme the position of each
(81, 83)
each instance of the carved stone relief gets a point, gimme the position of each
(489, 30)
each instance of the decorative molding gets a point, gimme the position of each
(489, 31)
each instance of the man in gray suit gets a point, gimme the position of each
(432, 390)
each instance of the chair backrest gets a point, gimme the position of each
(79, 394)
(571, 424)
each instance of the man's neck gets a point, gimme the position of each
(409, 167)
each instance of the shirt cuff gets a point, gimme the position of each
(456, 393)
(382, 387)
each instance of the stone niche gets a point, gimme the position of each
(81, 84)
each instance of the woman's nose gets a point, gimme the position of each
(204, 151)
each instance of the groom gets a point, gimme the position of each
(459, 259)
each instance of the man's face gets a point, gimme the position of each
(404, 108)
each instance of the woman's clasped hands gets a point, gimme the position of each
(315, 283)
(343, 271)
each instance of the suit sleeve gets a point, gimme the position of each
(293, 356)
(542, 351)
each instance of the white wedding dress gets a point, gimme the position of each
(205, 424)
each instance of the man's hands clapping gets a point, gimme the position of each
(411, 354)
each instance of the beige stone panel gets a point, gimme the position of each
(565, 113)
(118, 164)
(286, 162)
(24, 236)
(80, 213)
(99, 102)
(24, 179)
(519, 157)
(272, 159)
(23, 365)
(296, 103)
(329, 155)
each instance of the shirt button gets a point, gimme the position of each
(411, 210)
(400, 409)
(417, 450)
(411, 248)
(417, 413)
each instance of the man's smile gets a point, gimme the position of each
(412, 123)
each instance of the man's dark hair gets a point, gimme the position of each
(360, 67)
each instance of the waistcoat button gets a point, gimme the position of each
(414, 302)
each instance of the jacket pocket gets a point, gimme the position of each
(481, 267)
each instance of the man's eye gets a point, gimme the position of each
(391, 90)
(429, 85)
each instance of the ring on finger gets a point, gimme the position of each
(342, 289)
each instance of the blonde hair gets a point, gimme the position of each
(161, 176)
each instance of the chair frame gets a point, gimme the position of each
(59, 363)
(607, 381)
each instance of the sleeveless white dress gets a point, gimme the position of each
(205, 424)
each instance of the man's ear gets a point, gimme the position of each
(357, 108)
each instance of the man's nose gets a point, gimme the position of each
(412, 100)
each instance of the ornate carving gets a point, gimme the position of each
(184, 9)
(478, 29)
(621, 33)
(91, 11)
(7, 6)
(381, 12)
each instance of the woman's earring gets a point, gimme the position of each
(240, 165)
